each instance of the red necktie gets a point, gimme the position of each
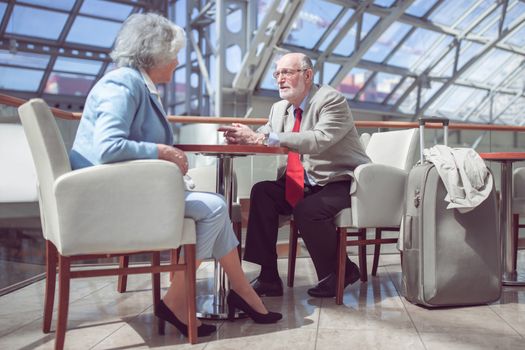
(294, 185)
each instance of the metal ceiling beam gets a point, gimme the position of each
(275, 26)
(47, 47)
(426, 24)
(60, 41)
(519, 22)
(371, 38)
(494, 91)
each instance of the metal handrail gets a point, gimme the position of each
(59, 113)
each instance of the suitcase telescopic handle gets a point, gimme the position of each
(422, 122)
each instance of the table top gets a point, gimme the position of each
(501, 156)
(232, 149)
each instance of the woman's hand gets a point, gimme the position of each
(174, 155)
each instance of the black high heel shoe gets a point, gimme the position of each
(165, 314)
(235, 301)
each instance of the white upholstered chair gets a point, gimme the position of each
(518, 208)
(378, 198)
(204, 178)
(18, 189)
(295, 234)
(105, 211)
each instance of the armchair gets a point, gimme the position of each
(377, 201)
(18, 190)
(105, 211)
(518, 208)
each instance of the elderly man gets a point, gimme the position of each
(316, 124)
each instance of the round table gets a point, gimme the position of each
(213, 306)
(510, 276)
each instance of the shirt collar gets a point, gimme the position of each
(303, 104)
(149, 83)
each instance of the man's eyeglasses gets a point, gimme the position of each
(287, 73)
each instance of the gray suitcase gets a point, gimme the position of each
(449, 258)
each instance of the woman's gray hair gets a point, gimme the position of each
(146, 40)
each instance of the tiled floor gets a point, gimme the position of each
(373, 316)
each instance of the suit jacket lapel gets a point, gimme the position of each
(161, 114)
(289, 119)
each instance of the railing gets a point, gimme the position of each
(16, 102)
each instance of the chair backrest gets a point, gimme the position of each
(18, 183)
(395, 148)
(518, 191)
(49, 156)
(365, 139)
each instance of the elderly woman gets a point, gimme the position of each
(123, 119)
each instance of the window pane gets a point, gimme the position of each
(313, 20)
(353, 82)
(474, 14)
(400, 91)
(456, 97)
(180, 86)
(3, 6)
(420, 7)
(515, 10)
(94, 32)
(518, 38)
(381, 86)
(492, 68)
(329, 71)
(20, 79)
(24, 59)
(35, 22)
(386, 42)
(57, 4)
(384, 3)
(450, 11)
(336, 30)
(346, 46)
(106, 9)
(414, 48)
(75, 65)
(69, 84)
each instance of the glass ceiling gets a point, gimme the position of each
(463, 59)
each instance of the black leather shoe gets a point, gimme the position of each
(235, 301)
(165, 314)
(267, 289)
(326, 287)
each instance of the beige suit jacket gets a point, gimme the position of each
(327, 141)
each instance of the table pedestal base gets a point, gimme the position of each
(511, 279)
(208, 308)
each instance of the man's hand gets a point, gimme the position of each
(174, 155)
(241, 134)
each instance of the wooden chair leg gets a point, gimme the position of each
(341, 265)
(237, 228)
(377, 252)
(51, 274)
(155, 281)
(174, 259)
(123, 279)
(362, 255)
(190, 274)
(515, 237)
(292, 252)
(64, 270)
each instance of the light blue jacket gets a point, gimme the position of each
(121, 121)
